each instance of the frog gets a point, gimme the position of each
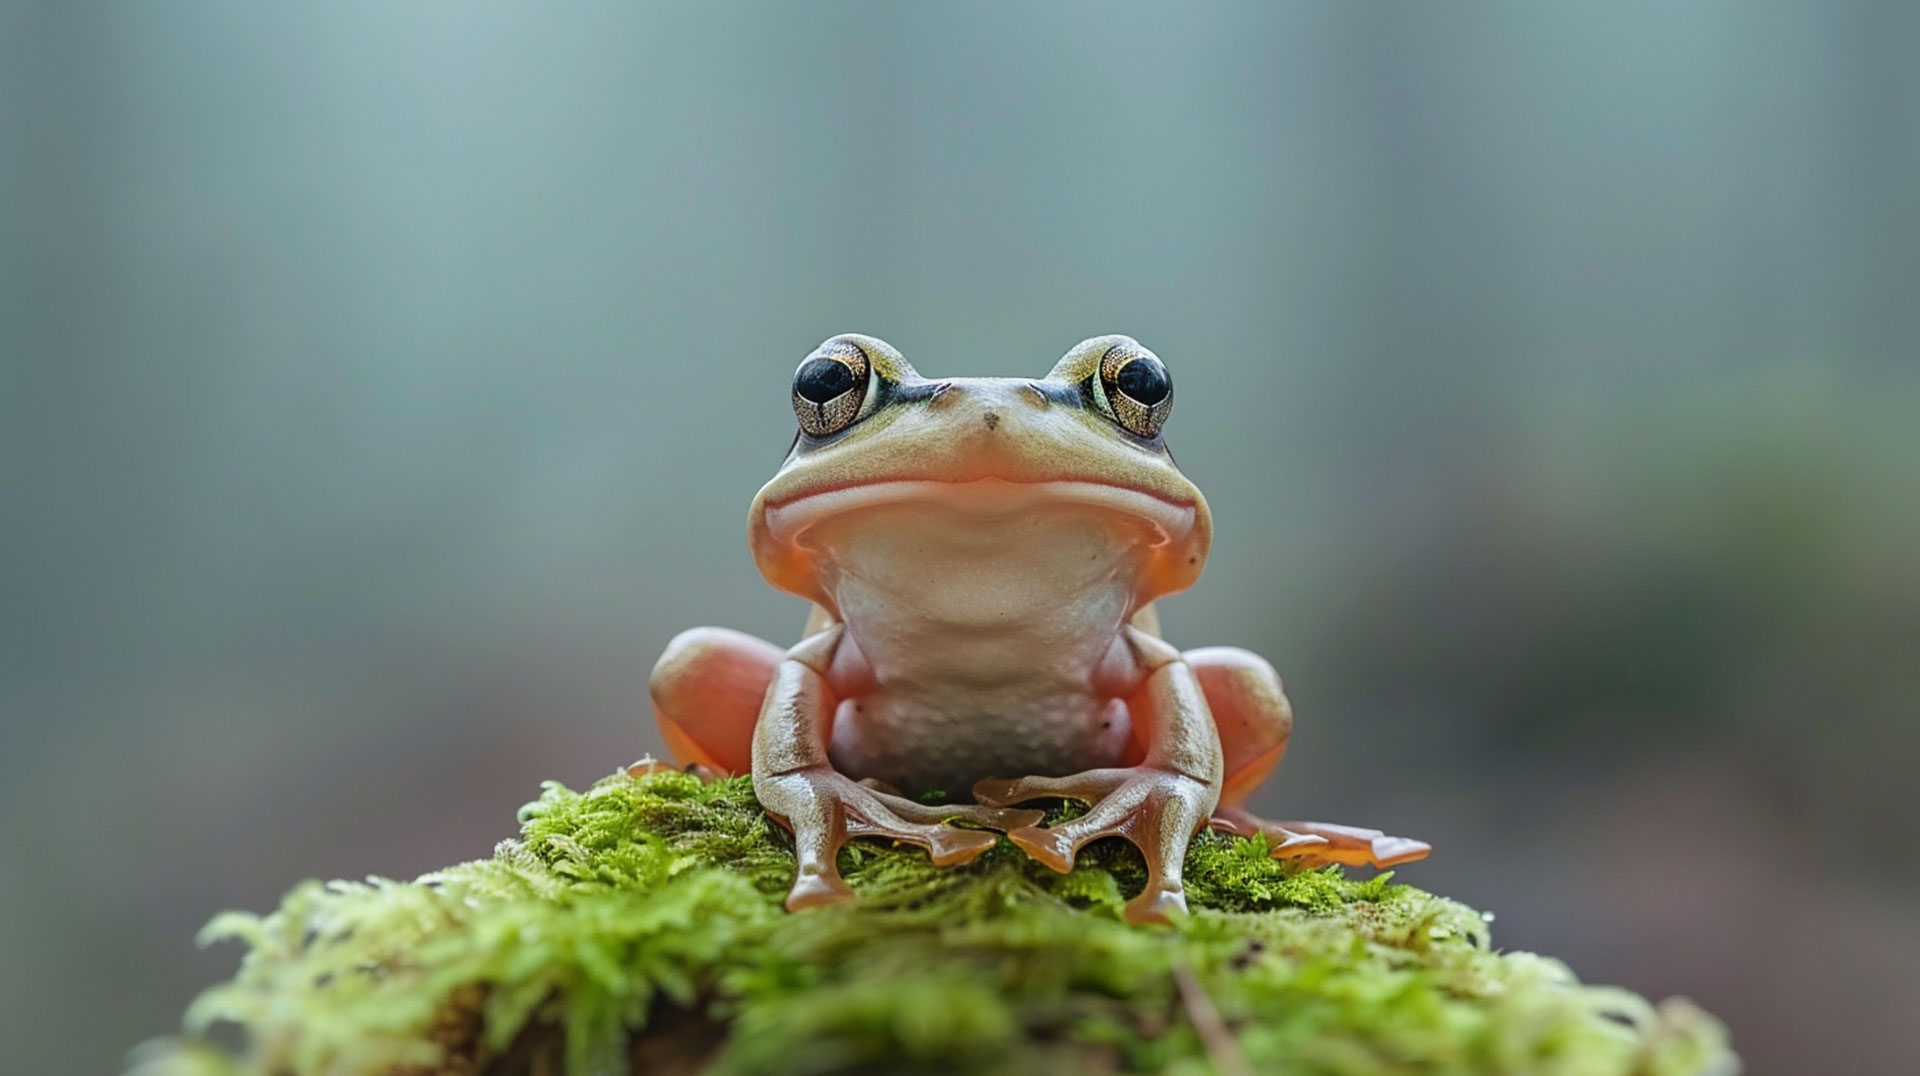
(983, 558)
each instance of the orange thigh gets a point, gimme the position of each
(707, 689)
(1250, 711)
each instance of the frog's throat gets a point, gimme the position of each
(988, 496)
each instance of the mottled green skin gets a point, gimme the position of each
(622, 909)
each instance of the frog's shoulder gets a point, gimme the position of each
(819, 619)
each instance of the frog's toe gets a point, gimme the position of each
(823, 810)
(812, 889)
(1355, 846)
(1323, 842)
(1393, 851)
(1286, 844)
(1000, 818)
(1157, 904)
(950, 847)
(1283, 843)
(870, 814)
(1048, 846)
(1089, 787)
(1004, 819)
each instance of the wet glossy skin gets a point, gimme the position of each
(983, 555)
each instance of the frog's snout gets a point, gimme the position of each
(992, 398)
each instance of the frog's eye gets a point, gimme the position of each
(1133, 387)
(831, 388)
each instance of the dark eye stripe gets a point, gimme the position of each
(1057, 393)
(913, 391)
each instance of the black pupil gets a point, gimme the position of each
(820, 380)
(1144, 380)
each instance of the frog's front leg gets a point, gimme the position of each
(796, 783)
(1158, 805)
(1254, 719)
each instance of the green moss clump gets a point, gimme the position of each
(637, 926)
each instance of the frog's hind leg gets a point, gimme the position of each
(1254, 719)
(707, 689)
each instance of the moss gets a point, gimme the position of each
(637, 926)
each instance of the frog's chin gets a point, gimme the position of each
(986, 497)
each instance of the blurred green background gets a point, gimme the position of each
(384, 384)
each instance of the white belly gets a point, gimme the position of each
(983, 635)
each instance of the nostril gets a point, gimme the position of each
(1034, 394)
(940, 388)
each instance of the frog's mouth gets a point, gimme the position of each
(986, 497)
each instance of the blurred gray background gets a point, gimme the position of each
(384, 384)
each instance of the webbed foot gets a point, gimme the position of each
(824, 809)
(1158, 810)
(1322, 842)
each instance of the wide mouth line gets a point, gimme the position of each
(990, 480)
(788, 518)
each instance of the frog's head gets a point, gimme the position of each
(875, 435)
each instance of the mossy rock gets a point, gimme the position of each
(637, 927)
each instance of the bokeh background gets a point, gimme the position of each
(384, 384)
